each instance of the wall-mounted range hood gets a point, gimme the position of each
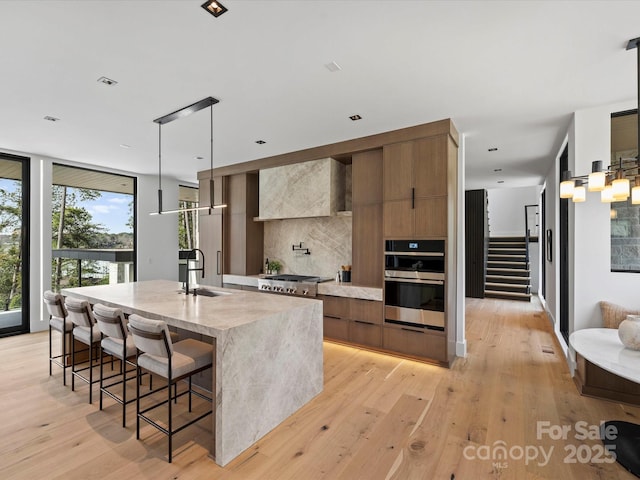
(302, 190)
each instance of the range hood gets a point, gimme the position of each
(302, 190)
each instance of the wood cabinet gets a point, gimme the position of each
(416, 342)
(244, 237)
(335, 317)
(352, 320)
(212, 230)
(365, 326)
(367, 243)
(415, 189)
(594, 381)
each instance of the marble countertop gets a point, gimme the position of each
(336, 289)
(602, 347)
(161, 299)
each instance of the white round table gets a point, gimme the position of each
(602, 347)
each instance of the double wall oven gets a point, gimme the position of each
(414, 283)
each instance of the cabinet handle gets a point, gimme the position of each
(410, 330)
(218, 254)
(365, 323)
(413, 198)
(332, 316)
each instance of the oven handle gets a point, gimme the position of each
(413, 280)
(417, 254)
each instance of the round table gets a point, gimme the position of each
(602, 347)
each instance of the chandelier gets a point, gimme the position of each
(188, 110)
(615, 182)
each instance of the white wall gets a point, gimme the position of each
(157, 247)
(506, 209)
(157, 235)
(591, 276)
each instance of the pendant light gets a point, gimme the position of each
(613, 183)
(188, 110)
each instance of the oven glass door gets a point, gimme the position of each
(417, 295)
(413, 263)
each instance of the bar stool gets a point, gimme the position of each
(159, 356)
(59, 321)
(117, 342)
(82, 317)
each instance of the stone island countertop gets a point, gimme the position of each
(268, 350)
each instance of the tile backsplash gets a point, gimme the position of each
(328, 239)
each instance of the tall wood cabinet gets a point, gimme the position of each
(212, 230)
(243, 236)
(415, 187)
(367, 244)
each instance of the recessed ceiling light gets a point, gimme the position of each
(333, 67)
(260, 142)
(214, 8)
(124, 145)
(355, 117)
(493, 149)
(107, 81)
(497, 169)
(500, 181)
(51, 119)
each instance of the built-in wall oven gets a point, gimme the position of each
(414, 283)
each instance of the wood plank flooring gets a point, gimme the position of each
(379, 417)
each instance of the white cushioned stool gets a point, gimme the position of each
(159, 356)
(86, 332)
(117, 342)
(60, 322)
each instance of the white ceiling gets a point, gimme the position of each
(509, 74)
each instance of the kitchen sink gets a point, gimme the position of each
(206, 292)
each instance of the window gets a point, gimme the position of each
(93, 227)
(187, 221)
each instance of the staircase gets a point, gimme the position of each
(508, 273)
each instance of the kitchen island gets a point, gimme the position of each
(267, 348)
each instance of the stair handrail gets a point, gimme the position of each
(527, 231)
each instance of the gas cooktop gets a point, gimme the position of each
(289, 284)
(294, 278)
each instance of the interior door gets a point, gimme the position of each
(14, 245)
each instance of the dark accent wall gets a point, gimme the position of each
(476, 242)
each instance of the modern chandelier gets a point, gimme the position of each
(614, 183)
(183, 112)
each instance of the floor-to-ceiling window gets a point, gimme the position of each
(14, 245)
(93, 227)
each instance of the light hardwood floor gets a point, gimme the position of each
(379, 417)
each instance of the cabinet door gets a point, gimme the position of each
(397, 171)
(367, 177)
(369, 311)
(367, 245)
(364, 333)
(398, 219)
(430, 217)
(413, 342)
(211, 232)
(430, 166)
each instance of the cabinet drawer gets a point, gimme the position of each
(336, 328)
(414, 342)
(369, 311)
(335, 306)
(364, 333)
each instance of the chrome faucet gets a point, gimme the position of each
(189, 270)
